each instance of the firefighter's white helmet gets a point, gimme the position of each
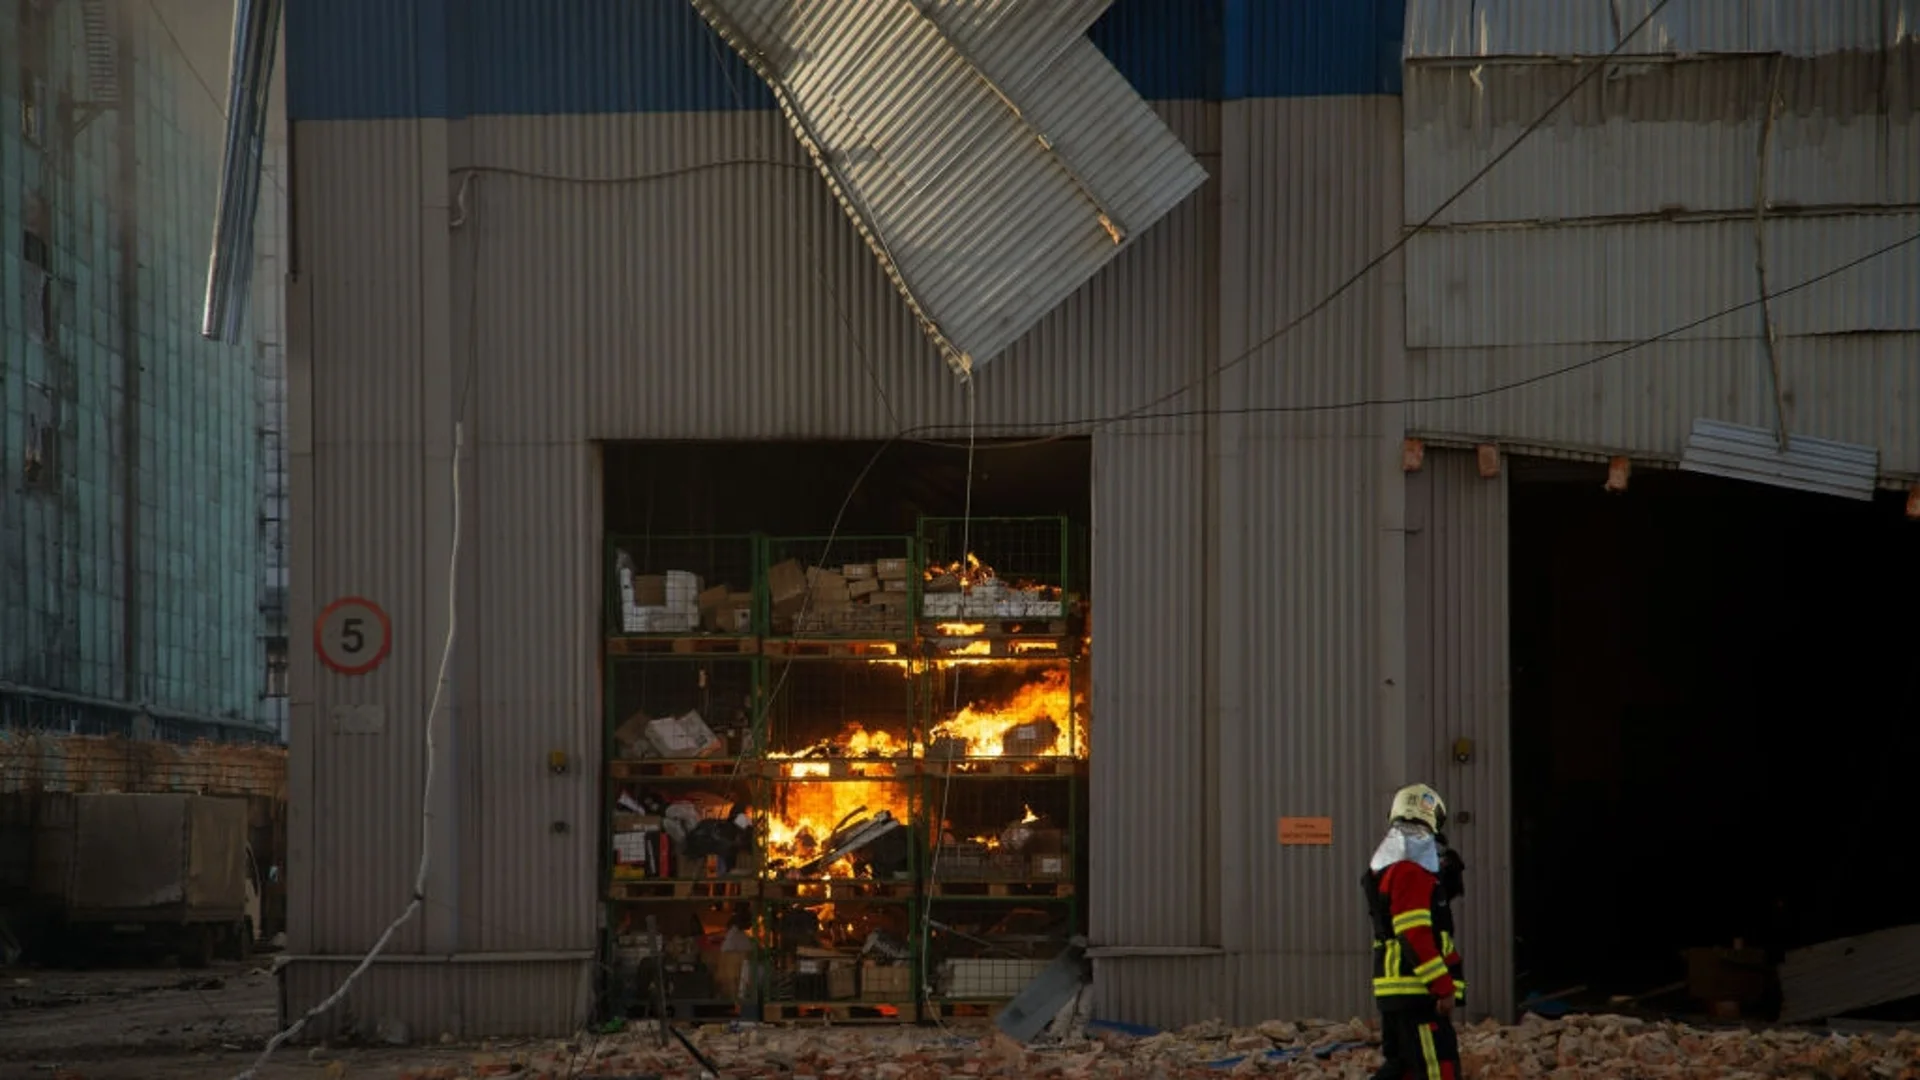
(1419, 803)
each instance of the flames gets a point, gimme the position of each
(969, 571)
(804, 815)
(1037, 720)
(966, 573)
(850, 776)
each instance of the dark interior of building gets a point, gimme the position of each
(1713, 707)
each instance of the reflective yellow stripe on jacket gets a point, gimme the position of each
(1408, 920)
(1394, 984)
(1459, 984)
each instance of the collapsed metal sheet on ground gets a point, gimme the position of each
(987, 152)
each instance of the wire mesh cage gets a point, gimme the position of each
(683, 585)
(847, 959)
(1000, 836)
(681, 709)
(997, 569)
(860, 587)
(682, 959)
(839, 829)
(841, 708)
(983, 951)
(1018, 717)
(679, 837)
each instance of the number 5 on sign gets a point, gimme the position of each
(352, 636)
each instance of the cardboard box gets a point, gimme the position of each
(683, 736)
(826, 589)
(1049, 867)
(859, 587)
(786, 582)
(857, 571)
(842, 984)
(894, 585)
(728, 969)
(890, 569)
(655, 620)
(650, 590)
(683, 592)
(886, 982)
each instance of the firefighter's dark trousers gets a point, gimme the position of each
(1418, 1044)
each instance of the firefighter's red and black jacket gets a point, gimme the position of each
(1415, 958)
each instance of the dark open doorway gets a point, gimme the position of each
(1713, 719)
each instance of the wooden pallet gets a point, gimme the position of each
(814, 890)
(964, 1010)
(663, 769)
(999, 648)
(822, 769)
(840, 1012)
(683, 889)
(682, 645)
(1016, 766)
(945, 628)
(1012, 890)
(826, 648)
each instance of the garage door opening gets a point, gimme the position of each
(848, 713)
(1712, 714)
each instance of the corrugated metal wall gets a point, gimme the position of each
(668, 308)
(152, 458)
(1634, 213)
(1457, 688)
(701, 311)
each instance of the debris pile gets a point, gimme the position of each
(1577, 1048)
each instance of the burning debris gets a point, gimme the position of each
(969, 588)
(836, 828)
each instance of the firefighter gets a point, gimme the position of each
(1417, 973)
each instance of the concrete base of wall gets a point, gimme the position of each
(419, 999)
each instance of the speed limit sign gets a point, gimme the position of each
(352, 636)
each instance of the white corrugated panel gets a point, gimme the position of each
(1754, 454)
(1669, 141)
(1462, 29)
(990, 156)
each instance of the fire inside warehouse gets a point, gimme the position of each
(846, 770)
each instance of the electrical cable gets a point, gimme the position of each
(937, 831)
(1092, 423)
(625, 179)
(461, 217)
(426, 809)
(1321, 305)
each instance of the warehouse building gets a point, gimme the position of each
(1428, 530)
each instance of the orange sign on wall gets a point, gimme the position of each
(1306, 832)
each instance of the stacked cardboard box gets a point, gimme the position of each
(679, 602)
(684, 736)
(854, 599)
(991, 599)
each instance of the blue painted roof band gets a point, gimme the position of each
(398, 59)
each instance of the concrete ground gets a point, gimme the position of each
(163, 1023)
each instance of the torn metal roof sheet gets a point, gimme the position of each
(1754, 455)
(988, 153)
